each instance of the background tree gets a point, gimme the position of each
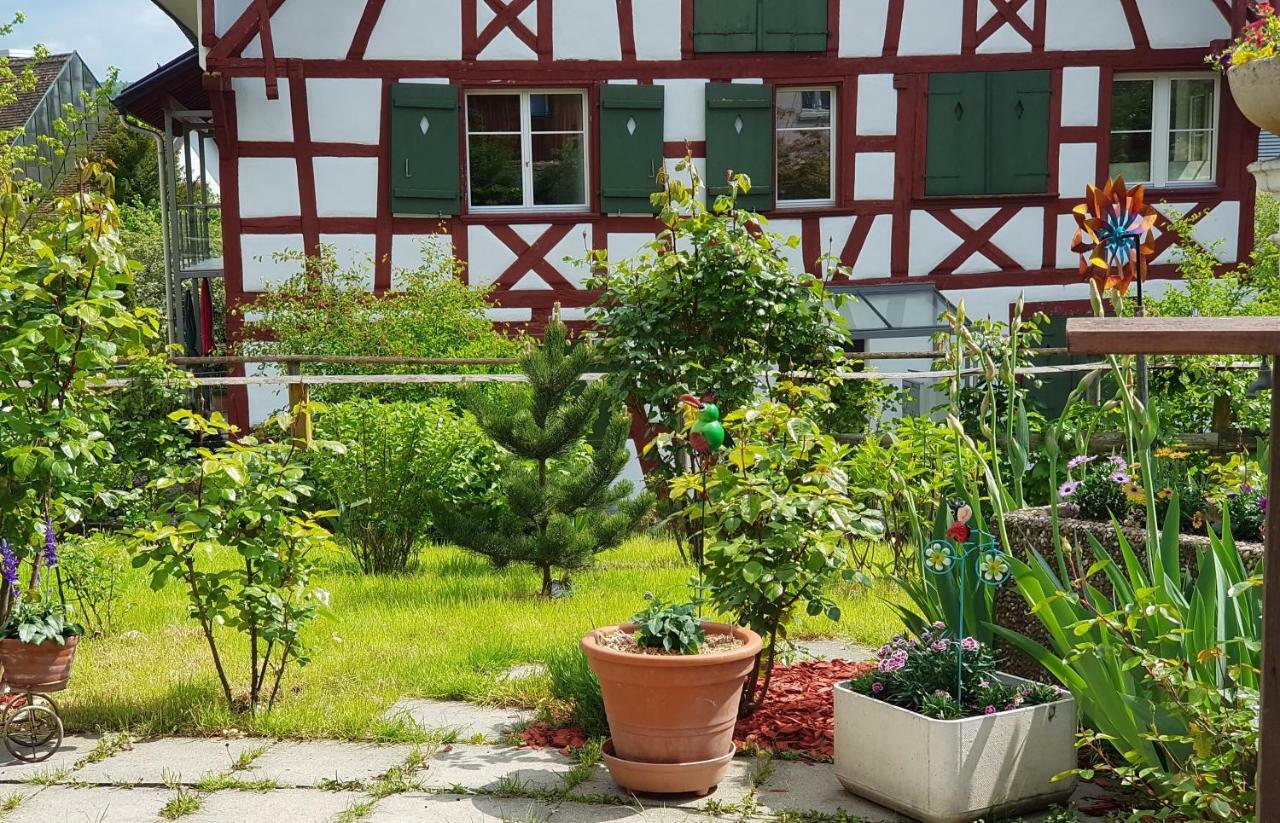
(558, 505)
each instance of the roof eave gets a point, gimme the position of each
(184, 13)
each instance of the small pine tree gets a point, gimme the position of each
(559, 504)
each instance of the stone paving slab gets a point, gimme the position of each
(311, 763)
(279, 806)
(583, 813)
(170, 760)
(74, 749)
(466, 720)
(485, 768)
(95, 804)
(451, 808)
(737, 784)
(832, 650)
(796, 786)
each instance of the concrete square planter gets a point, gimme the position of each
(954, 771)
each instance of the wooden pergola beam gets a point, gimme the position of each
(1226, 336)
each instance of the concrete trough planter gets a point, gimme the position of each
(954, 771)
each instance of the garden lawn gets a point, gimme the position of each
(449, 629)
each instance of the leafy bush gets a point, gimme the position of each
(670, 626)
(398, 456)
(92, 570)
(245, 501)
(573, 683)
(1100, 493)
(326, 310)
(920, 674)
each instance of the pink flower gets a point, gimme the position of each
(969, 644)
(893, 662)
(876, 688)
(939, 645)
(989, 710)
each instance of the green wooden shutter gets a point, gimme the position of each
(1018, 132)
(631, 132)
(793, 25)
(424, 149)
(956, 153)
(725, 25)
(740, 138)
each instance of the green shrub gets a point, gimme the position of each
(92, 569)
(399, 455)
(573, 683)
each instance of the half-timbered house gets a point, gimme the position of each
(935, 146)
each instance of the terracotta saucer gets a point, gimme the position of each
(700, 778)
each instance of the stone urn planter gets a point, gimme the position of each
(671, 715)
(1256, 89)
(954, 771)
(42, 667)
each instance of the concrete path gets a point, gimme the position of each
(441, 780)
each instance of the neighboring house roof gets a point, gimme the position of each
(46, 71)
(181, 80)
(186, 13)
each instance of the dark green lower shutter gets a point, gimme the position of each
(425, 166)
(956, 152)
(725, 25)
(794, 25)
(631, 140)
(1018, 132)
(740, 139)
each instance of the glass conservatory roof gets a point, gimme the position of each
(894, 311)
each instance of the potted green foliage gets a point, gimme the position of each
(38, 639)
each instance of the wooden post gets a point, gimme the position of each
(1220, 335)
(300, 406)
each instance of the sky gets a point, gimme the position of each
(132, 35)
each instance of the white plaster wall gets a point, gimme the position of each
(875, 259)
(877, 105)
(1080, 86)
(684, 109)
(787, 228)
(1086, 25)
(568, 256)
(509, 315)
(931, 27)
(506, 46)
(1077, 167)
(573, 315)
(353, 252)
(344, 110)
(268, 187)
(265, 401)
(261, 269)
(1022, 238)
(226, 12)
(931, 242)
(258, 118)
(585, 30)
(833, 234)
(1005, 39)
(1182, 23)
(1217, 231)
(346, 186)
(1067, 259)
(626, 245)
(417, 30)
(315, 29)
(487, 256)
(862, 27)
(873, 174)
(409, 252)
(657, 29)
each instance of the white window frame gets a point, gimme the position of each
(1161, 135)
(526, 151)
(835, 139)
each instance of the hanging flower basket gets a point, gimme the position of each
(1256, 88)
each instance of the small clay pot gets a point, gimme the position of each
(672, 709)
(667, 778)
(40, 667)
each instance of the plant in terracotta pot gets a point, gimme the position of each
(38, 639)
(671, 685)
(1253, 67)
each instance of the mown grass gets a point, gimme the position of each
(449, 629)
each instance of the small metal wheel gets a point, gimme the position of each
(33, 732)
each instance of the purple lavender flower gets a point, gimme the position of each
(50, 546)
(9, 565)
(1077, 462)
(1262, 505)
(894, 662)
(989, 710)
(969, 644)
(1068, 488)
(876, 688)
(1246, 489)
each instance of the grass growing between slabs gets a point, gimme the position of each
(449, 629)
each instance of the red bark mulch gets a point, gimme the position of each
(797, 716)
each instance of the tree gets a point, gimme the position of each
(559, 504)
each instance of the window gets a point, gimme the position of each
(988, 133)
(806, 146)
(527, 150)
(759, 25)
(1164, 130)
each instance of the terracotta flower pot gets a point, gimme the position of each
(674, 709)
(43, 667)
(1256, 89)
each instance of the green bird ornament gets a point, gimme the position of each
(707, 434)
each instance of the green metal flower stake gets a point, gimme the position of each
(962, 548)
